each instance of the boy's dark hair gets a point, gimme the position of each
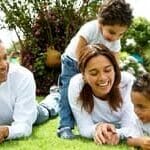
(114, 12)
(142, 84)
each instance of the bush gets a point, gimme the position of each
(45, 24)
(137, 40)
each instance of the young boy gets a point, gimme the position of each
(141, 101)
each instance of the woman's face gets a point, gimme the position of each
(141, 106)
(99, 74)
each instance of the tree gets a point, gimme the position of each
(45, 24)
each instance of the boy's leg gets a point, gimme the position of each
(69, 68)
(42, 115)
(48, 108)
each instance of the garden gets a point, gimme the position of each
(44, 29)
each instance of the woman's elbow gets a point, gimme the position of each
(85, 133)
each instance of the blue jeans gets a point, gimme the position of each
(68, 69)
(42, 115)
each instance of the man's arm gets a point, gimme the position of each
(4, 132)
(25, 111)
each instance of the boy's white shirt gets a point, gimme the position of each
(144, 128)
(124, 118)
(18, 109)
(92, 33)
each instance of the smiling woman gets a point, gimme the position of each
(99, 97)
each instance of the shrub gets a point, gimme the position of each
(137, 40)
(45, 24)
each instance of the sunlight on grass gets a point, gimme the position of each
(44, 138)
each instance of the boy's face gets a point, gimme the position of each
(141, 106)
(3, 64)
(113, 32)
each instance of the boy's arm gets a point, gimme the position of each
(81, 43)
(134, 141)
(117, 56)
(143, 142)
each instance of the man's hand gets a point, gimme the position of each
(145, 143)
(4, 131)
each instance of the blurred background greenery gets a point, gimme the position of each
(47, 27)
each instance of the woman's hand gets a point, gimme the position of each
(114, 138)
(106, 134)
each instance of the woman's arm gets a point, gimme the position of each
(83, 119)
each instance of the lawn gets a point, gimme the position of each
(44, 138)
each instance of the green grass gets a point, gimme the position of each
(44, 138)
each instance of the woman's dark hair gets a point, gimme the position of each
(86, 95)
(142, 84)
(114, 12)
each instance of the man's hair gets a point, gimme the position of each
(142, 84)
(114, 12)
(86, 95)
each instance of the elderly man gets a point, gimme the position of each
(18, 107)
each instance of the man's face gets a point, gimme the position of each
(3, 64)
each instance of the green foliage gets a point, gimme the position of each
(139, 32)
(45, 23)
(131, 64)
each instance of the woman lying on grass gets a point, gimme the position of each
(100, 103)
